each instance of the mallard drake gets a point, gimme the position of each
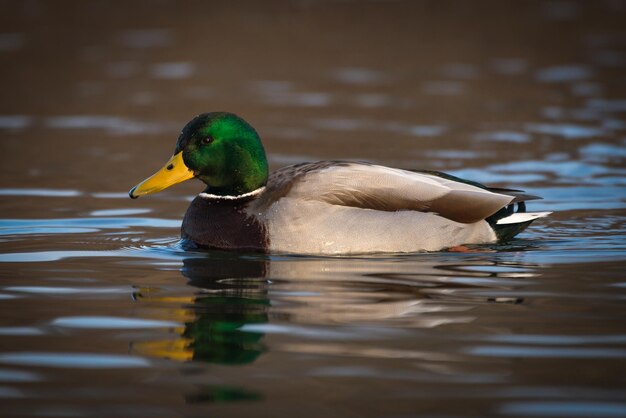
(325, 207)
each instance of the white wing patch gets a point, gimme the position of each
(521, 217)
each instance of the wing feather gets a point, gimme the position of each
(389, 189)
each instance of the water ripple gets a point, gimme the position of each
(565, 130)
(567, 409)
(40, 192)
(113, 124)
(73, 360)
(15, 121)
(60, 290)
(8, 375)
(146, 38)
(546, 352)
(110, 322)
(563, 74)
(79, 225)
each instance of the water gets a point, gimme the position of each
(104, 314)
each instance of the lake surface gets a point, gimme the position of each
(104, 314)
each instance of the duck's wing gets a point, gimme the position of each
(518, 195)
(382, 188)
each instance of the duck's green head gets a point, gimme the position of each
(221, 149)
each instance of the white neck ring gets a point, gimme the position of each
(231, 197)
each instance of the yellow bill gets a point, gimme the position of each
(173, 172)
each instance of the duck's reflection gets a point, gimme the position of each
(224, 318)
(233, 294)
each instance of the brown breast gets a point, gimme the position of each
(224, 224)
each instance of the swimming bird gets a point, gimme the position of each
(325, 207)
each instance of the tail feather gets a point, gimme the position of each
(507, 222)
(518, 195)
(521, 217)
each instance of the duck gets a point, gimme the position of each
(336, 207)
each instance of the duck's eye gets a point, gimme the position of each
(207, 140)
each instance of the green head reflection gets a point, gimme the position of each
(217, 334)
(233, 295)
